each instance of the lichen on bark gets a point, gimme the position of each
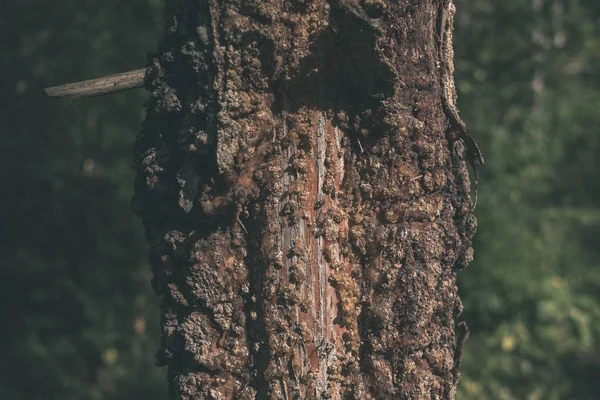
(305, 213)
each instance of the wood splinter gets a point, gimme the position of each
(100, 86)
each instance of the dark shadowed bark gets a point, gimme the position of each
(301, 183)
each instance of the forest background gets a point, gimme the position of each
(80, 320)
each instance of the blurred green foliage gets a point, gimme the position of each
(80, 321)
(530, 92)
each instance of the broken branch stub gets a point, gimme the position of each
(100, 86)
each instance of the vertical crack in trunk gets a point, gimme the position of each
(322, 285)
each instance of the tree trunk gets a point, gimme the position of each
(303, 191)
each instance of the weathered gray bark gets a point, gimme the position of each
(99, 87)
(305, 200)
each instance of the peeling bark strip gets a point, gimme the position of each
(305, 213)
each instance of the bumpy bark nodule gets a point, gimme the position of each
(306, 214)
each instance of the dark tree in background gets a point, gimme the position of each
(300, 175)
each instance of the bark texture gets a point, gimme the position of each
(306, 209)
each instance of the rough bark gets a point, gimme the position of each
(305, 201)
